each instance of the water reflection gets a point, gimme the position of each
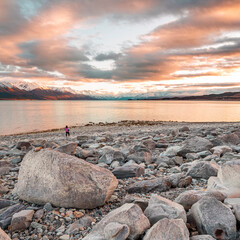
(25, 116)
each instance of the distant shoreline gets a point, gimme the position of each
(124, 123)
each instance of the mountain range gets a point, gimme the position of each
(23, 90)
(32, 91)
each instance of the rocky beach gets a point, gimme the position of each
(127, 180)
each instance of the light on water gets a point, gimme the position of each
(28, 116)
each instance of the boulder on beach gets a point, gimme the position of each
(49, 176)
(168, 229)
(194, 145)
(188, 198)
(160, 207)
(214, 218)
(202, 170)
(126, 222)
(228, 179)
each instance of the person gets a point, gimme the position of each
(67, 131)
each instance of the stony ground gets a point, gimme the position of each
(50, 222)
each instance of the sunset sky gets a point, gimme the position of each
(123, 47)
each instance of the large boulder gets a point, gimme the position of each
(63, 180)
(194, 145)
(228, 179)
(129, 216)
(168, 229)
(160, 207)
(202, 170)
(188, 198)
(214, 218)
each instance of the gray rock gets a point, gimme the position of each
(23, 145)
(129, 214)
(192, 156)
(140, 157)
(69, 148)
(214, 218)
(204, 154)
(3, 189)
(82, 139)
(220, 150)
(5, 203)
(194, 145)
(51, 144)
(141, 202)
(141, 148)
(228, 179)
(63, 180)
(230, 138)
(159, 208)
(84, 222)
(202, 170)
(150, 144)
(48, 207)
(111, 156)
(164, 161)
(128, 171)
(168, 229)
(188, 198)
(179, 180)
(116, 231)
(171, 151)
(184, 129)
(229, 156)
(160, 184)
(16, 160)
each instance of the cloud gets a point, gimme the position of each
(49, 54)
(107, 56)
(34, 40)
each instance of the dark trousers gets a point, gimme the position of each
(67, 134)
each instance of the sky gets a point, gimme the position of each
(123, 47)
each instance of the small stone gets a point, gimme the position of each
(48, 207)
(21, 220)
(64, 237)
(78, 214)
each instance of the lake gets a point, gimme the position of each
(28, 116)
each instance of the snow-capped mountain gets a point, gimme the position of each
(28, 86)
(28, 90)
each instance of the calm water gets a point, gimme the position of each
(25, 116)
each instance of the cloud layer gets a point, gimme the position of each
(52, 41)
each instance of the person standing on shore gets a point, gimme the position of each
(67, 131)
